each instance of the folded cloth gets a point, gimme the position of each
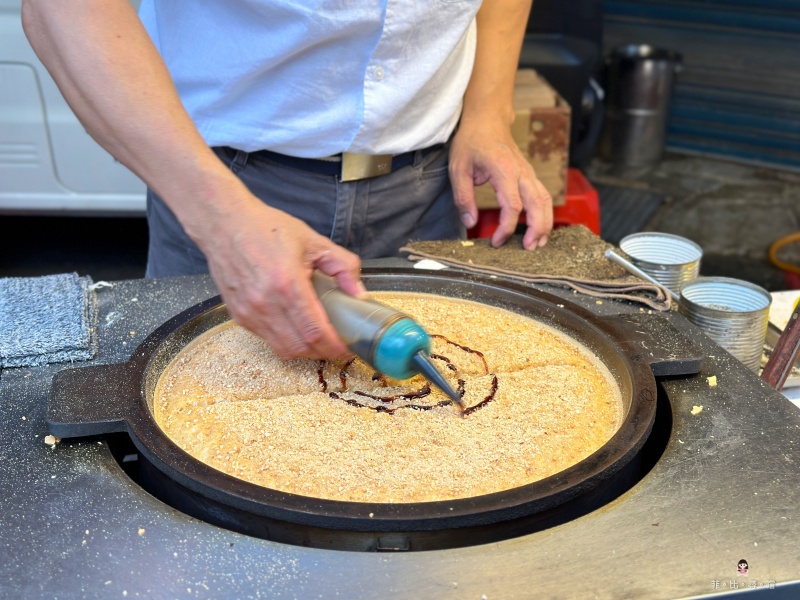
(46, 320)
(573, 258)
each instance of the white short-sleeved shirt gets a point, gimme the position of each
(317, 77)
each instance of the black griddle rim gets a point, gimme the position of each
(425, 516)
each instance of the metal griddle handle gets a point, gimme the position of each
(91, 401)
(655, 340)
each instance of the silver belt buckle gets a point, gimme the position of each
(362, 166)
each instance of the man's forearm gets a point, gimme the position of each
(261, 258)
(483, 151)
(501, 28)
(113, 78)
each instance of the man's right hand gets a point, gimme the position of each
(261, 260)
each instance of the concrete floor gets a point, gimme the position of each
(733, 211)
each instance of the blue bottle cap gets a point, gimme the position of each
(394, 353)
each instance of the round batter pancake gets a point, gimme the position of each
(538, 402)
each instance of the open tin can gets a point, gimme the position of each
(732, 312)
(670, 259)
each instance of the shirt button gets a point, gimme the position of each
(378, 72)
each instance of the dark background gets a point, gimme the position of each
(105, 248)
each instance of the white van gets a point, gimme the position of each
(48, 163)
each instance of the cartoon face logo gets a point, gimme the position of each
(742, 568)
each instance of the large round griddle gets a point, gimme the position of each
(105, 399)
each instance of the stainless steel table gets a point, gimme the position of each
(727, 487)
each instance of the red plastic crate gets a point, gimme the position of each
(581, 207)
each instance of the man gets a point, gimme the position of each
(286, 88)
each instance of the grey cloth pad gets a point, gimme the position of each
(46, 320)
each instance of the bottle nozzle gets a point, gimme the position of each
(425, 365)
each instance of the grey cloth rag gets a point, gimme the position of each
(47, 319)
(573, 258)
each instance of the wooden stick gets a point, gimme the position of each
(785, 353)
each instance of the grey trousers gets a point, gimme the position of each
(371, 217)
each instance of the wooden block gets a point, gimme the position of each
(541, 130)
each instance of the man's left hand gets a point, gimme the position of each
(484, 153)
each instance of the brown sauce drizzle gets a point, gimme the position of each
(388, 399)
(424, 391)
(343, 374)
(448, 363)
(467, 350)
(485, 401)
(380, 377)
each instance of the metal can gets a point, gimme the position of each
(670, 259)
(732, 312)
